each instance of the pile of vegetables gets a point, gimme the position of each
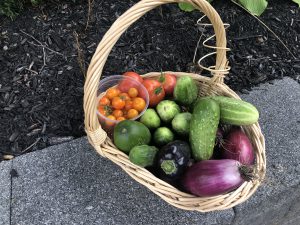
(181, 138)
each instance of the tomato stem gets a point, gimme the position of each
(158, 90)
(162, 78)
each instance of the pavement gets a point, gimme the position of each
(71, 184)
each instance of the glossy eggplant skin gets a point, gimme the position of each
(173, 160)
(214, 177)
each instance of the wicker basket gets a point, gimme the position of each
(208, 86)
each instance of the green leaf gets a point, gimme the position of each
(188, 7)
(297, 1)
(256, 7)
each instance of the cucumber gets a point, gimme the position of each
(203, 128)
(185, 91)
(236, 112)
(143, 155)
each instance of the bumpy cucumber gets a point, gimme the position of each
(185, 91)
(143, 155)
(203, 128)
(236, 112)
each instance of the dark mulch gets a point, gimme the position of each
(41, 80)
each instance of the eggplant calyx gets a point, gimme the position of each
(169, 167)
(248, 172)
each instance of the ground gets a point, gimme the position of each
(45, 53)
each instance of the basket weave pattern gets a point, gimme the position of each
(207, 86)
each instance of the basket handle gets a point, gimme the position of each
(93, 128)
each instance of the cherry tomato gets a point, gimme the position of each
(128, 105)
(117, 113)
(133, 92)
(124, 96)
(111, 117)
(121, 118)
(112, 92)
(132, 113)
(139, 104)
(169, 82)
(155, 90)
(125, 84)
(104, 101)
(110, 123)
(118, 103)
(104, 110)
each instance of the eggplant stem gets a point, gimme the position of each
(248, 172)
(169, 167)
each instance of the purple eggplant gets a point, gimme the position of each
(173, 160)
(215, 177)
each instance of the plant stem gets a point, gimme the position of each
(269, 29)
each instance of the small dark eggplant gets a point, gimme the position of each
(172, 160)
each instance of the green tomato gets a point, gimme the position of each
(181, 123)
(150, 119)
(162, 136)
(167, 110)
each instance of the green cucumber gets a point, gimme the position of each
(143, 155)
(185, 91)
(236, 112)
(203, 128)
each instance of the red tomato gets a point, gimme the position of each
(155, 90)
(169, 82)
(126, 84)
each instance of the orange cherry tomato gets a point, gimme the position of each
(133, 92)
(117, 113)
(128, 105)
(121, 118)
(104, 110)
(104, 101)
(132, 113)
(139, 104)
(112, 92)
(111, 117)
(118, 103)
(110, 123)
(124, 96)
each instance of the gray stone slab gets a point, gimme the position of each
(71, 184)
(5, 192)
(277, 199)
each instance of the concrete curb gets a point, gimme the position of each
(5, 192)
